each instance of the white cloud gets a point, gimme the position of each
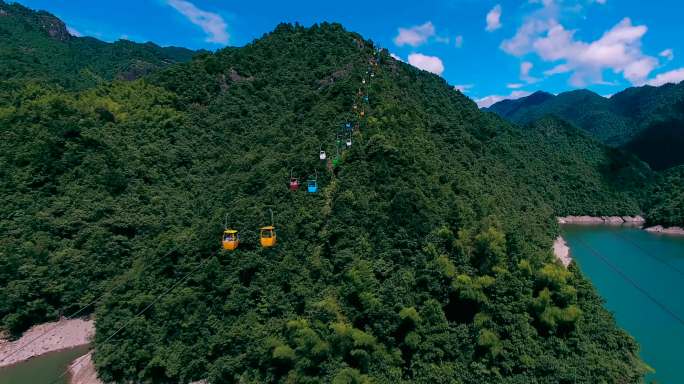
(459, 41)
(514, 85)
(668, 54)
(415, 36)
(211, 23)
(619, 49)
(428, 63)
(73, 31)
(488, 101)
(463, 87)
(494, 18)
(525, 68)
(676, 76)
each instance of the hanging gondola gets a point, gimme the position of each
(231, 237)
(365, 98)
(336, 159)
(267, 234)
(294, 182)
(321, 153)
(312, 184)
(349, 140)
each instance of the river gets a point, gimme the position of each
(641, 277)
(45, 369)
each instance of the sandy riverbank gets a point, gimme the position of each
(60, 335)
(82, 370)
(562, 251)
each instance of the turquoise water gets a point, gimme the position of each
(45, 369)
(655, 263)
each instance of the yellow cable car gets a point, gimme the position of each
(231, 239)
(267, 236)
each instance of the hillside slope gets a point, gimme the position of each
(648, 121)
(37, 46)
(425, 257)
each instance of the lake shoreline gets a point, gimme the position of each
(45, 338)
(562, 251)
(637, 221)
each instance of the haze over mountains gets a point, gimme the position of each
(424, 257)
(648, 121)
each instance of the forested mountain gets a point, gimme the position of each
(648, 121)
(37, 46)
(425, 256)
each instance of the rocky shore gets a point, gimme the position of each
(666, 231)
(609, 220)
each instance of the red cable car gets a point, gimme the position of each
(294, 182)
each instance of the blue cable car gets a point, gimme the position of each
(365, 98)
(312, 184)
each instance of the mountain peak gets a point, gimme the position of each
(53, 26)
(50, 24)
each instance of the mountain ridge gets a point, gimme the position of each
(639, 119)
(37, 46)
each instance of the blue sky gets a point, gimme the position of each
(488, 49)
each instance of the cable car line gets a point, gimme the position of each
(633, 283)
(647, 253)
(230, 239)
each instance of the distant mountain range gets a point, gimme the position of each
(37, 46)
(648, 121)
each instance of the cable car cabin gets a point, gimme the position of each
(365, 98)
(267, 236)
(231, 239)
(335, 162)
(349, 142)
(294, 184)
(312, 186)
(322, 155)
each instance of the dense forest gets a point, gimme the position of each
(647, 121)
(424, 257)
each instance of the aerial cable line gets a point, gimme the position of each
(633, 283)
(73, 315)
(653, 256)
(150, 305)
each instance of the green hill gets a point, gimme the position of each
(647, 121)
(37, 46)
(425, 257)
